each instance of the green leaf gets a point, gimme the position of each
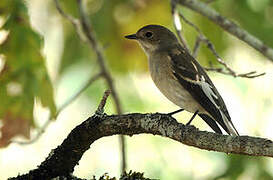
(24, 76)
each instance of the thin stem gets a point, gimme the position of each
(178, 26)
(109, 80)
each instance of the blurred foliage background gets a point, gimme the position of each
(43, 62)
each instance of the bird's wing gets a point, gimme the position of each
(193, 78)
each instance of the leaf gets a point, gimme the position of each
(25, 76)
(13, 126)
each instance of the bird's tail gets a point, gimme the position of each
(226, 124)
(232, 130)
(211, 123)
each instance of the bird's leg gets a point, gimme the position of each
(196, 112)
(174, 112)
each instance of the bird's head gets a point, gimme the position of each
(154, 37)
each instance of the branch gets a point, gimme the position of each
(106, 74)
(62, 160)
(227, 25)
(83, 28)
(100, 108)
(178, 26)
(75, 22)
(100, 58)
(202, 38)
(196, 46)
(252, 74)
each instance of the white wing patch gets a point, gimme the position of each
(207, 89)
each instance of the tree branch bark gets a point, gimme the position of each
(227, 25)
(62, 160)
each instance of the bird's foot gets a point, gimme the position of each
(175, 112)
(188, 123)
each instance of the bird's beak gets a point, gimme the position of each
(132, 36)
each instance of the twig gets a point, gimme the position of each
(100, 108)
(204, 39)
(60, 109)
(75, 22)
(178, 26)
(227, 25)
(88, 34)
(245, 75)
(84, 87)
(230, 71)
(190, 23)
(81, 137)
(196, 46)
(94, 45)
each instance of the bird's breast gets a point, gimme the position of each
(163, 77)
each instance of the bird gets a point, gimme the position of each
(179, 77)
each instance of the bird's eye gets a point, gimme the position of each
(148, 34)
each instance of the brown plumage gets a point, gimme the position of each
(181, 78)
